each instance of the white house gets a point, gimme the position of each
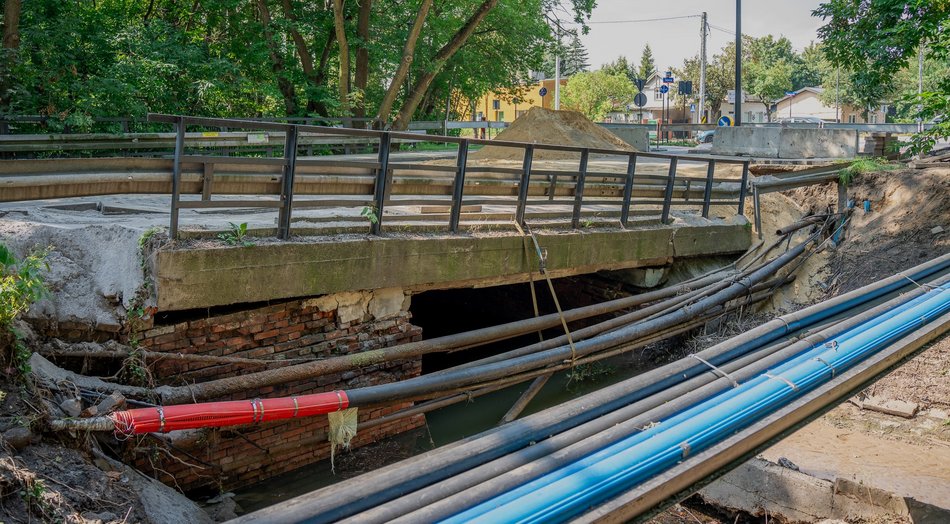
(753, 110)
(807, 102)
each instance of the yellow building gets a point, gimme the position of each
(507, 105)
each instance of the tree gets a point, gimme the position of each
(874, 39)
(575, 59)
(647, 65)
(808, 69)
(598, 93)
(768, 82)
(620, 66)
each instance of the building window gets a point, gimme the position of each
(499, 116)
(657, 95)
(852, 119)
(873, 119)
(496, 105)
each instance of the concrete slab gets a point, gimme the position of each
(209, 275)
(778, 142)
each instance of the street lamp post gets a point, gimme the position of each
(738, 105)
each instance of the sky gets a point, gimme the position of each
(674, 40)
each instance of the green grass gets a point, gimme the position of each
(863, 166)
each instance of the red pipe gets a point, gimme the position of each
(190, 416)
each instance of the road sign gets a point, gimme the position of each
(640, 100)
(639, 82)
(725, 121)
(789, 93)
(692, 108)
(668, 80)
(664, 89)
(543, 91)
(686, 87)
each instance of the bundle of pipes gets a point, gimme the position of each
(442, 483)
(704, 299)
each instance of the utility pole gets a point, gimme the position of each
(701, 110)
(557, 72)
(920, 84)
(738, 104)
(838, 94)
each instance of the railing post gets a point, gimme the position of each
(628, 190)
(668, 196)
(579, 189)
(176, 176)
(523, 187)
(743, 189)
(707, 193)
(461, 161)
(757, 211)
(382, 180)
(287, 185)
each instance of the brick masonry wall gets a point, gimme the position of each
(300, 329)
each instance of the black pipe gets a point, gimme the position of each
(340, 501)
(470, 488)
(396, 480)
(465, 377)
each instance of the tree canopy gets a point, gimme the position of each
(875, 40)
(597, 93)
(390, 59)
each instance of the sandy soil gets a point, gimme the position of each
(546, 126)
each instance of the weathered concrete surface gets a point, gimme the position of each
(213, 276)
(761, 487)
(779, 142)
(637, 137)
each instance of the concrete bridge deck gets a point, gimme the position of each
(202, 276)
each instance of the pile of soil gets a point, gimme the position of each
(546, 126)
(908, 224)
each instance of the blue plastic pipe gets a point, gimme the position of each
(598, 477)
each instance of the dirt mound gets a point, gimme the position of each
(908, 224)
(545, 126)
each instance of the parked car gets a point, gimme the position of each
(705, 137)
(801, 120)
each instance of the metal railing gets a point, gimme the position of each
(616, 188)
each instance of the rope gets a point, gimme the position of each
(928, 287)
(716, 370)
(542, 261)
(534, 294)
(832, 368)
(783, 379)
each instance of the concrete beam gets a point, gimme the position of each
(781, 142)
(213, 276)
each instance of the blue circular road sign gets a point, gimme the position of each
(543, 91)
(640, 100)
(725, 121)
(664, 89)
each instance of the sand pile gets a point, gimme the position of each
(545, 126)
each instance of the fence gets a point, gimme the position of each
(495, 185)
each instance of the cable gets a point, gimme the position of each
(644, 20)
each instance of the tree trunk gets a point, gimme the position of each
(11, 24)
(306, 60)
(277, 61)
(444, 55)
(362, 57)
(339, 25)
(408, 50)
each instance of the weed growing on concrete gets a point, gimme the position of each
(236, 236)
(369, 213)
